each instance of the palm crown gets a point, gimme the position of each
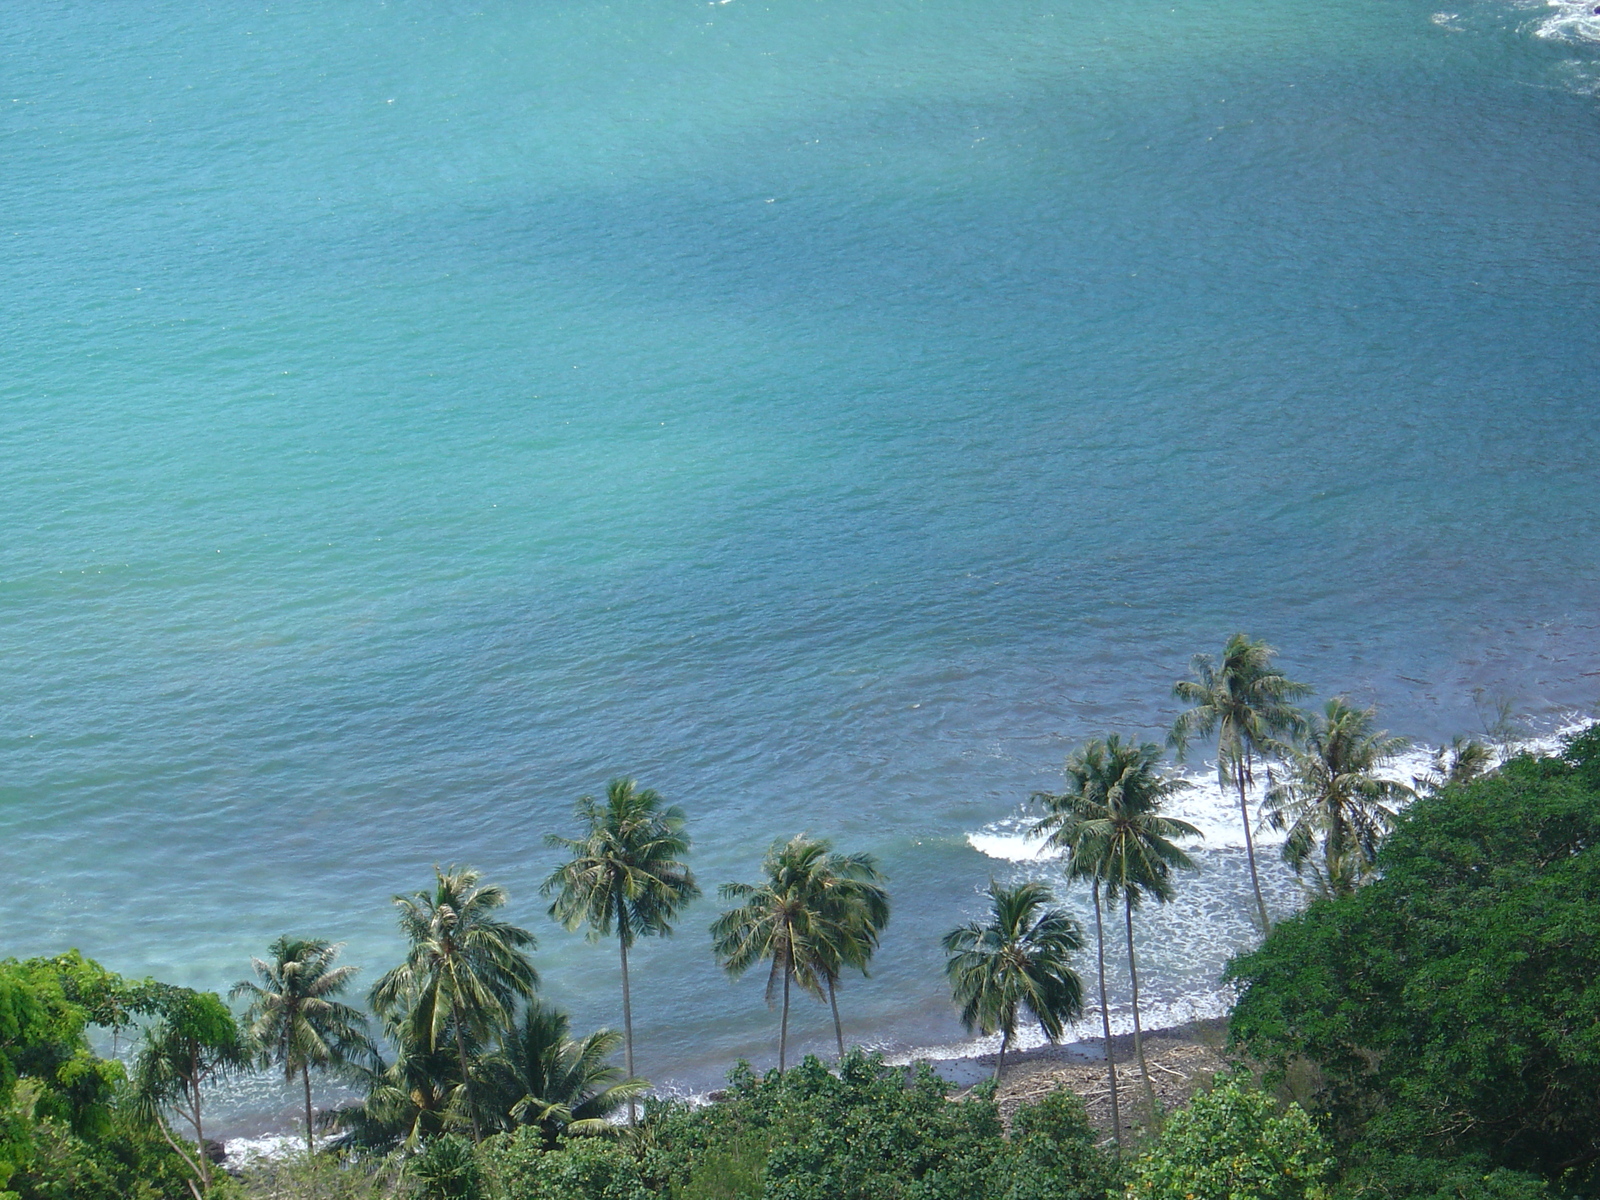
(1021, 957)
(1334, 795)
(1246, 703)
(626, 876)
(815, 912)
(464, 970)
(295, 1020)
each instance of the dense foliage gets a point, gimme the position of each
(1452, 1006)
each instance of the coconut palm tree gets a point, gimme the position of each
(416, 1097)
(1462, 761)
(1246, 704)
(295, 1021)
(1334, 796)
(626, 877)
(544, 1077)
(853, 907)
(1110, 823)
(814, 913)
(464, 971)
(1020, 958)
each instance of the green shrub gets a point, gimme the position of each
(587, 1168)
(1232, 1143)
(447, 1168)
(1053, 1154)
(1381, 1175)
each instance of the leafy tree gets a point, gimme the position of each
(543, 1077)
(194, 1042)
(1053, 1154)
(1231, 1143)
(464, 971)
(295, 1020)
(1247, 705)
(1020, 958)
(1452, 1006)
(626, 877)
(1335, 796)
(1110, 822)
(807, 918)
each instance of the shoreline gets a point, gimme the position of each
(1182, 1057)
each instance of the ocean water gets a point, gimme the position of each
(412, 416)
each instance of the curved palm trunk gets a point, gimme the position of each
(305, 1076)
(1105, 1019)
(466, 1079)
(783, 1028)
(627, 1026)
(838, 1029)
(1000, 1063)
(1138, 1033)
(1240, 772)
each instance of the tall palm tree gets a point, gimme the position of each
(626, 877)
(1335, 796)
(464, 970)
(853, 908)
(815, 913)
(1110, 823)
(295, 1021)
(416, 1097)
(1246, 704)
(1020, 958)
(544, 1077)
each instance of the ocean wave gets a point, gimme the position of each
(1570, 21)
(1214, 810)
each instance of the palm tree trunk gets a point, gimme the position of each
(1250, 843)
(627, 1026)
(1138, 1033)
(838, 1029)
(311, 1144)
(1000, 1063)
(1105, 1019)
(783, 1028)
(466, 1080)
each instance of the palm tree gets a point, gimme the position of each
(815, 913)
(1111, 825)
(416, 1097)
(1020, 958)
(854, 908)
(1462, 761)
(544, 1077)
(464, 970)
(1334, 796)
(626, 876)
(294, 1020)
(1245, 702)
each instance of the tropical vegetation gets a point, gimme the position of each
(1427, 1026)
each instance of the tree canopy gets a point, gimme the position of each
(1452, 1005)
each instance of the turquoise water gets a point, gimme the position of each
(415, 414)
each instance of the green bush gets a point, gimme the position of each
(447, 1168)
(1053, 1154)
(588, 1168)
(1232, 1143)
(1385, 1176)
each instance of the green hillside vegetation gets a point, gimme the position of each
(1427, 1028)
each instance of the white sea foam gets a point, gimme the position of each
(1215, 810)
(268, 1146)
(1570, 21)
